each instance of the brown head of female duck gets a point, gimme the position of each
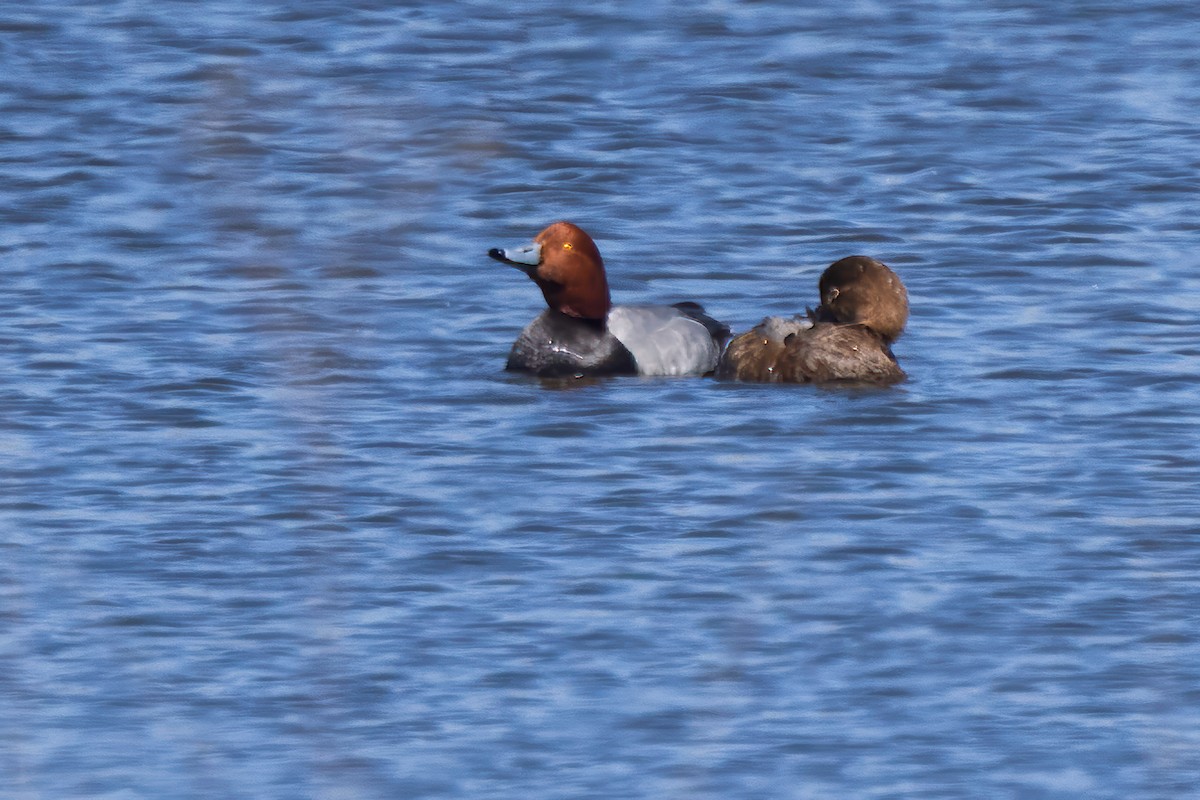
(848, 338)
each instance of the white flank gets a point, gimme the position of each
(663, 340)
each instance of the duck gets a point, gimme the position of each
(581, 333)
(847, 339)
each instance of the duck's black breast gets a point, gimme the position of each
(555, 345)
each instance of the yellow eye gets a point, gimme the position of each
(567, 246)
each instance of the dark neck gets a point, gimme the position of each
(598, 325)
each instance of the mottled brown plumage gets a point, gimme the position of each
(755, 354)
(864, 308)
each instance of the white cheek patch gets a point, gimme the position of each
(529, 254)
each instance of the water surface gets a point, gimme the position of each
(275, 523)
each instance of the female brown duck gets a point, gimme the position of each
(864, 307)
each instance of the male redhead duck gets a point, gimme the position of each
(583, 333)
(864, 307)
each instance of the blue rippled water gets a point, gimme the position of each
(275, 523)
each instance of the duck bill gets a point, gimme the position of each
(525, 258)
